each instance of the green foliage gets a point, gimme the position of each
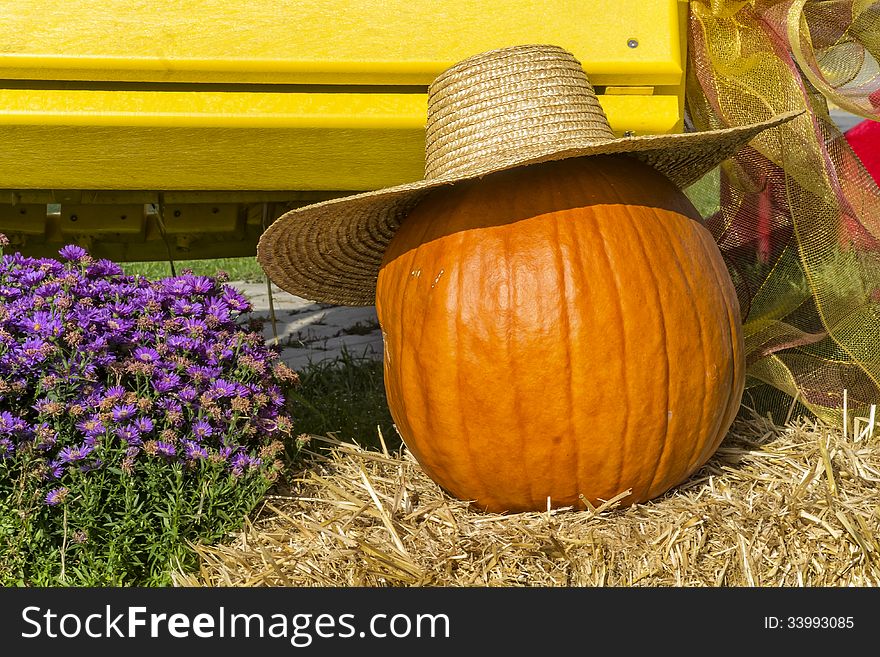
(238, 269)
(117, 526)
(345, 396)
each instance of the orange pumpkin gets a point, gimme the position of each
(559, 332)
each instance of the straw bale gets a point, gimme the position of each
(794, 505)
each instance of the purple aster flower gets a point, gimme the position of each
(218, 309)
(102, 267)
(75, 453)
(123, 307)
(114, 393)
(32, 277)
(143, 424)
(7, 448)
(203, 373)
(48, 289)
(276, 395)
(47, 406)
(8, 422)
(194, 451)
(177, 286)
(146, 354)
(32, 351)
(72, 252)
(181, 342)
(164, 448)
(141, 336)
(194, 328)
(56, 469)
(201, 284)
(202, 429)
(91, 426)
(43, 323)
(97, 344)
(101, 288)
(119, 325)
(188, 394)
(56, 496)
(166, 383)
(223, 388)
(129, 434)
(169, 405)
(10, 292)
(241, 461)
(235, 299)
(186, 307)
(122, 412)
(85, 316)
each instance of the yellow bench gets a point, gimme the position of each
(139, 126)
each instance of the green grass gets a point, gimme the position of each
(346, 397)
(239, 269)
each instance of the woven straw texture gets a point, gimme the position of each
(494, 111)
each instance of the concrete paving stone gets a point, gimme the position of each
(313, 332)
(355, 344)
(299, 359)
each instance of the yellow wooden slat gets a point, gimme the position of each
(215, 109)
(124, 140)
(326, 42)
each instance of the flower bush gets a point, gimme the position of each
(135, 416)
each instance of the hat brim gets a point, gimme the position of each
(332, 251)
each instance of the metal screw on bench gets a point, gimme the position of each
(633, 43)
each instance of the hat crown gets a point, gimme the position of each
(509, 105)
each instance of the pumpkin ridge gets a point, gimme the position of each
(401, 404)
(722, 421)
(734, 325)
(404, 259)
(415, 362)
(455, 340)
(623, 443)
(465, 422)
(511, 320)
(565, 321)
(473, 457)
(709, 444)
(685, 274)
(635, 220)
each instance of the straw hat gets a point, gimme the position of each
(498, 110)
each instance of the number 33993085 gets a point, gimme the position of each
(808, 622)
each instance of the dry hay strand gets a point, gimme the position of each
(794, 505)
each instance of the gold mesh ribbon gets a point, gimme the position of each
(795, 213)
